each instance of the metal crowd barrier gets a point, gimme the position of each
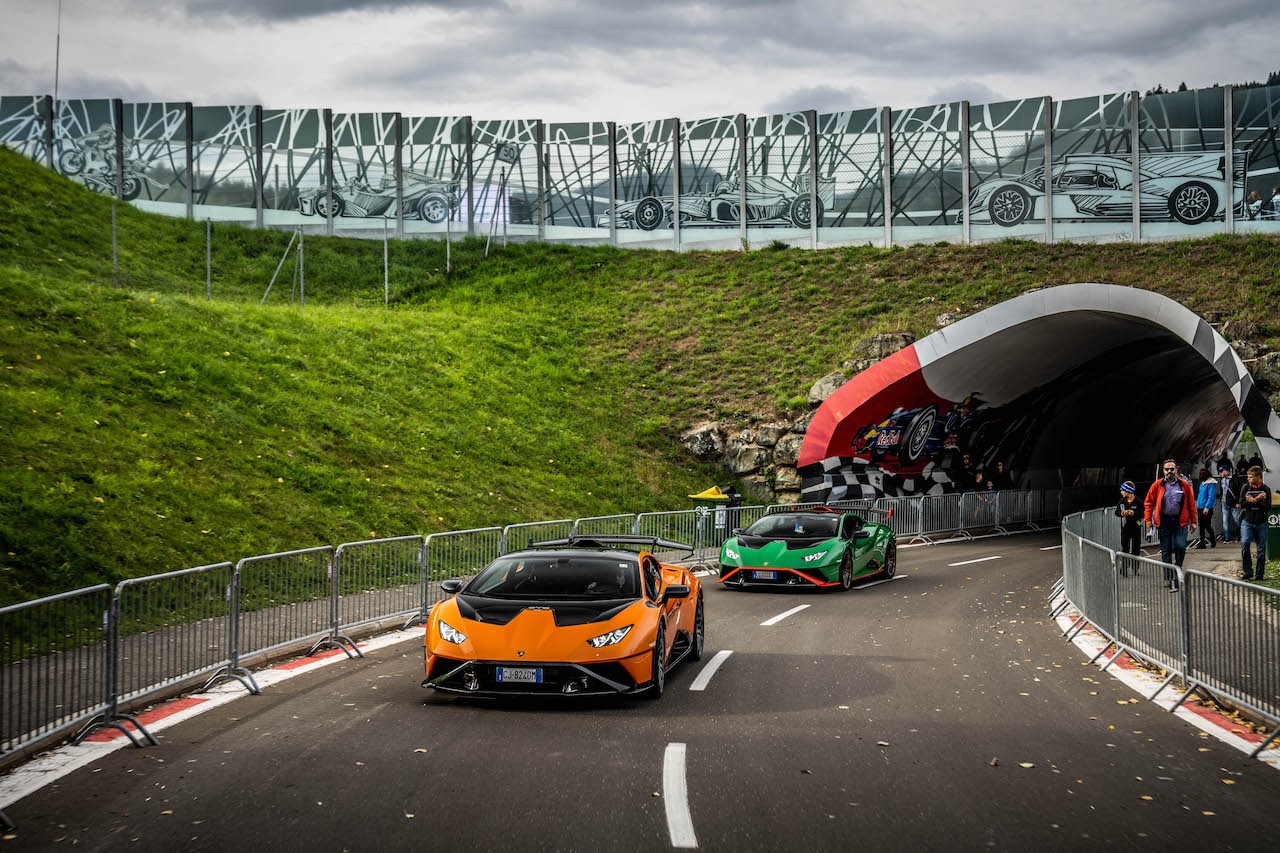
(76, 661)
(1220, 636)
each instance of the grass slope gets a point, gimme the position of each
(144, 428)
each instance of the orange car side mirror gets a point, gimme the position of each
(675, 590)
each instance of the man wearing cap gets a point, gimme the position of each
(1170, 509)
(1226, 483)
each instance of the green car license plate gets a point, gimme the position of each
(762, 575)
(519, 675)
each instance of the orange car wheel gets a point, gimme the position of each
(658, 678)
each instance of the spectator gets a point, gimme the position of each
(1223, 461)
(1226, 488)
(1129, 511)
(1255, 502)
(1255, 461)
(1253, 205)
(979, 482)
(1206, 500)
(1002, 478)
(1271, 209)
(1170, 511)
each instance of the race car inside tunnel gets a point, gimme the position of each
(1053, 381)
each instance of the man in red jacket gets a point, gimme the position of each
(1170, 509)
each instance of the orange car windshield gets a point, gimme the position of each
(558, 576)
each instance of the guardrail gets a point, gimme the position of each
(1219, 636)
(77, 661)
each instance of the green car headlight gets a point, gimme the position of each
(450, 634)
(815, 557)
(731, 554)
(609, 639)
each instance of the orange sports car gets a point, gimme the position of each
(578, 616)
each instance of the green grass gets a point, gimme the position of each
(145, 428)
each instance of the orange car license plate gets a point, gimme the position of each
(765, 576)
(519, 674)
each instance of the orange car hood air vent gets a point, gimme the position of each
(500, 611)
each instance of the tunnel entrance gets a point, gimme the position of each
(1078, 378)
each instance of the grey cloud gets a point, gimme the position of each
(968, 90)
(824, 99)
(290, 10)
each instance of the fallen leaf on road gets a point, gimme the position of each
(419, 749)
(167, 811)
(1208, 814)
(406, 814)
(995, 762)
(1228, 781)
(882, 743)
(1147, 797)
(1027, 764)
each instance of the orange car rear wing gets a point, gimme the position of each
(607, 541)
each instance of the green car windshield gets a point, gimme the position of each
(795, 526)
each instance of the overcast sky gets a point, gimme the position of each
(626, 60)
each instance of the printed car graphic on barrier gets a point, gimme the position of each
(930, 432)
(1181, 187)
(427, 198)
(576, 616)
(771, 202)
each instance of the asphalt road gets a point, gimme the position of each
(896, 716)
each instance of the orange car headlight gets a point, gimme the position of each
(609, 639)
(450, 634)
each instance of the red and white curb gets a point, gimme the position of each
(62, 760)
(1204, 717)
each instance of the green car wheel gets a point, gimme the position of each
(846, 571)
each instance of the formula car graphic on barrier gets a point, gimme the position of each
(92, 159)
(579, 616)
(771, 202)
(425, 197)
(1181, 187)
(930, 432)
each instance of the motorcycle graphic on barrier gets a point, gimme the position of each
(93, 161)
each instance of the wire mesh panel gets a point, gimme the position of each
(22, 125)
(434, 158)
(1093, 175)
(283, 599)
(458, 554)
(1257, 138)
(516, 537)
(505, 159)
(225, 142)
(678, 526)
(577, 170)
(1150, 618)
(778, 180)
(171, 628)
(1072, 565)
(379, 579)
(1182, 151)
(1013, 509)
(646, 191)
(617, 525)
(711, 185)
(156, 156)
(905, 520)
(1098, 603)
(53, 665)
(928, 173)
(364, 178)
(850, 155)
(939, 514)
(1006, 165)
(1234, 640)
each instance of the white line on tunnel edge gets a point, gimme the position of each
(1051, 548)
(704, 677)
(675, 796)
(979, 560)
(775, 620)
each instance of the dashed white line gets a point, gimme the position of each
(675, 796)
(704, 677)
(979, 560)
(882, 580)
(775, 620)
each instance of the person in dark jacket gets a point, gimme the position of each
(1255, 503)
(1129, 511)
(1230, 523)
(1170, 510)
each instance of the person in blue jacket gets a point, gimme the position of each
(1206, 500)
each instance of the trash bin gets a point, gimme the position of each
(1273, 534)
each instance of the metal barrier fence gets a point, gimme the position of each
(1220, 636)
(76, 660)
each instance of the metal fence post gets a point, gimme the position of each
(966, 232)
(259, 178)
(1228, 157)
(189, 172)
(540, 150)
(675, 184)
(115, 249)
(1048, 169)
(1135, 147)
(811, 122)
(741, 123)
(111, 717)
(328, 170)
(471, 175)
(117, 120)
(398, 167)
(208, 258)
(613, 183)
(386, 263)
(886, 171)
(47, 113)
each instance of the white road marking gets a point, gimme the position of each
(883, 580)
(1051, 548)
(979, 560)
(775, 620)
(675, 796)
(704, 677)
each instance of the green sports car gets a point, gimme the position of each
(815, 546)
